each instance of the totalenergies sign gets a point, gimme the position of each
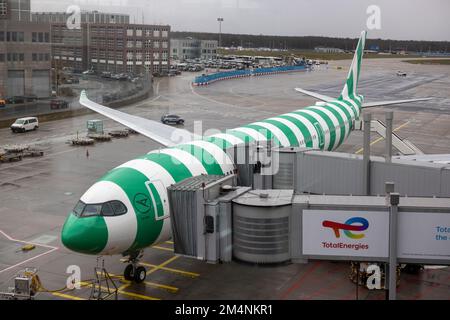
(352, 224)
(346, 233)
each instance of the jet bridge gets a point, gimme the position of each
(214, 221)
(321, 172)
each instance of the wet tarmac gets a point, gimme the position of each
(36, 194)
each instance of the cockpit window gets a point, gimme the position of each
(78, 210)
(92, 210)
(107, 209)
(118, 207)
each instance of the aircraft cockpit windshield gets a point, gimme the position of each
(107, 209)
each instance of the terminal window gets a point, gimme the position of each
(3, 8)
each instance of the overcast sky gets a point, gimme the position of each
(400, 19)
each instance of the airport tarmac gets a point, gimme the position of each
(37, 194)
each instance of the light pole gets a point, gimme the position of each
(220, 20)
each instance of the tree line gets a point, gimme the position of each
(310, 42)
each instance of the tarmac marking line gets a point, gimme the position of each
(52, 249)
(67, 296)
(381, 138)
(136, 295)
(124, 286)
(126, 293)
(162, 286)
(162, 248)
(182, 272)
(303, 277)
(151, 284)
(165, 263)
(335, 284)
(27, 242)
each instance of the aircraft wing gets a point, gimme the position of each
(166, 135)
(432, 158)
(388, 103)
(365, 105)
(315, 95)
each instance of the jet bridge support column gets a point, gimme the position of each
(389, 119)
(392, 275)
(366, 154)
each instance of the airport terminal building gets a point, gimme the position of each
(117, 48)
(25, 53)
(107, 42)
(189, 48)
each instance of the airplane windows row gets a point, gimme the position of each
(107, 209)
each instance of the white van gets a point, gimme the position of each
(25, 124)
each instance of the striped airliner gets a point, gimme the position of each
(127, 210)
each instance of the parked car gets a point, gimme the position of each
(16, 100)
(89, 72)
(106, 75)
(2, 103)
(21, 99)
(58, 104)
(172, 119)
(72, 80)
(25, 124)
(173, 73)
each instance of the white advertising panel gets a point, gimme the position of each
(424, 235)
(346, 233)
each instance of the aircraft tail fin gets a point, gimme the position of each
(351, 83)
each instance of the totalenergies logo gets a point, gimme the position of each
(352, 224)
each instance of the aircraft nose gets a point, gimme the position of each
(87, 235)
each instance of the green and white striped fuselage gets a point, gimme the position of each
(141, 184)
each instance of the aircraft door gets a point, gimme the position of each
(159, 199)
(320, 135)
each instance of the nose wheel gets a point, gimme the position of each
(134, 272)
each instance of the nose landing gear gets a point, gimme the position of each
(134, 272)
